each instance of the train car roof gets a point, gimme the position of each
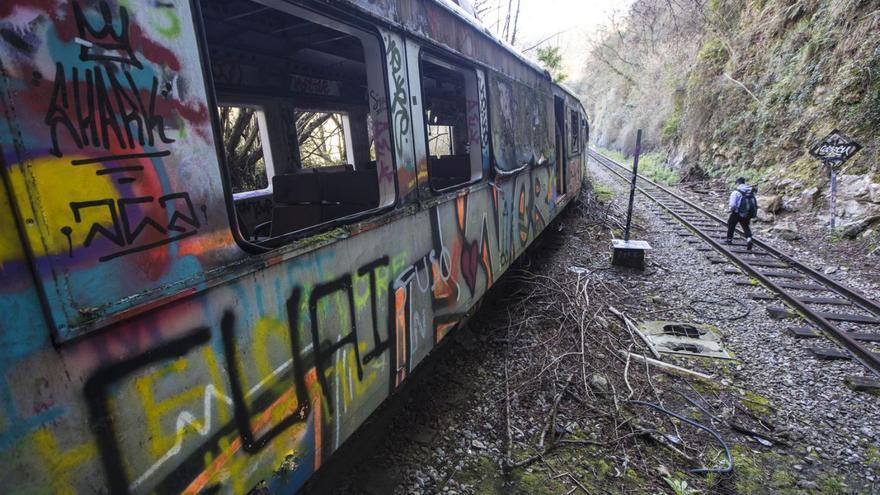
(465, 10)
(408, 15)
(567, 90)
(467, 13)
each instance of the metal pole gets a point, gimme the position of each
(833, 195)
(632, 187)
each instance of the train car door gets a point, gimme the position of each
(559, 113)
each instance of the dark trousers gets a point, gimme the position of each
(744, 222)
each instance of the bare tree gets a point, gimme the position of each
(506, 14)
(321, 138)
(244, 151)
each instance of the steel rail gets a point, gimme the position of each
(861, 353)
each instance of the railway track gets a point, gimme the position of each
(840, 313)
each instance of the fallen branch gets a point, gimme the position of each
(671, 368)
(632, 327)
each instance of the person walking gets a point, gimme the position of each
(743, 208)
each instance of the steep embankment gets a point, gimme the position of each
(744, 87)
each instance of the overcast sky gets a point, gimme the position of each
(575, 20)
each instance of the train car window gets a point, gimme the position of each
(305, 158)
(244, 132)
(452, 124)
(575, 127)
(522, 125)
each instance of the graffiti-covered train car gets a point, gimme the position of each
(232, 228)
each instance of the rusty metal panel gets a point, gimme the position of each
(521, 123)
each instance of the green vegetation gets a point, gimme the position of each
(713, 52)
(551, 59)
(739, 87)
(603, 194)
(829, 485)
(680, 487)
(872, 459)
(671, 126)
(756, 403)
(652, 165)
(756, 471)
(748, 476)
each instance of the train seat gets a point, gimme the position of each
(449, 170)
(306, 198)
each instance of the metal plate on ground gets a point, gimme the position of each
(690, 339)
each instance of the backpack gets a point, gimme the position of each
(748, 205)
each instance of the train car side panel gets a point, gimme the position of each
(268, 374)
(237, 370)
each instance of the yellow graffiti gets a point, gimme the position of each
(362, 287)
(346, 367)
(236, 469)
(399, 262)
(268, 327)
(61, 465)
(48, 207)
(214, 372)
(228, 465)
(155, 410)
(10, 246)
(362, 291)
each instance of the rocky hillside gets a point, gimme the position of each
(743, 88)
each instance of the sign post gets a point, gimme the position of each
(833, 150)
(632, 186)
(625, 252)
(833, 194)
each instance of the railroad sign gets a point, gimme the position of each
(835, 149)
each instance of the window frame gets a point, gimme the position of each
(296, 238)
(447, 62)
(574, 134)
(268, 149)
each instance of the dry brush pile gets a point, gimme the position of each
(584, 401)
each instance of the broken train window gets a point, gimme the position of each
(452, 121)
(302, 150)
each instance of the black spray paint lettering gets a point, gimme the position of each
(99, 111)
(128, 221)
(379, 345)
(98, 388)
(97, 391)
(105, 43)
(324, 351)
(243, 414)
(399, 99)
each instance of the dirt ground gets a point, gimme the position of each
(545, 391)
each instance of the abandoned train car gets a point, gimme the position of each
(232, 228)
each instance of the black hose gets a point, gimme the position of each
(694, 403)
(693, 423)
